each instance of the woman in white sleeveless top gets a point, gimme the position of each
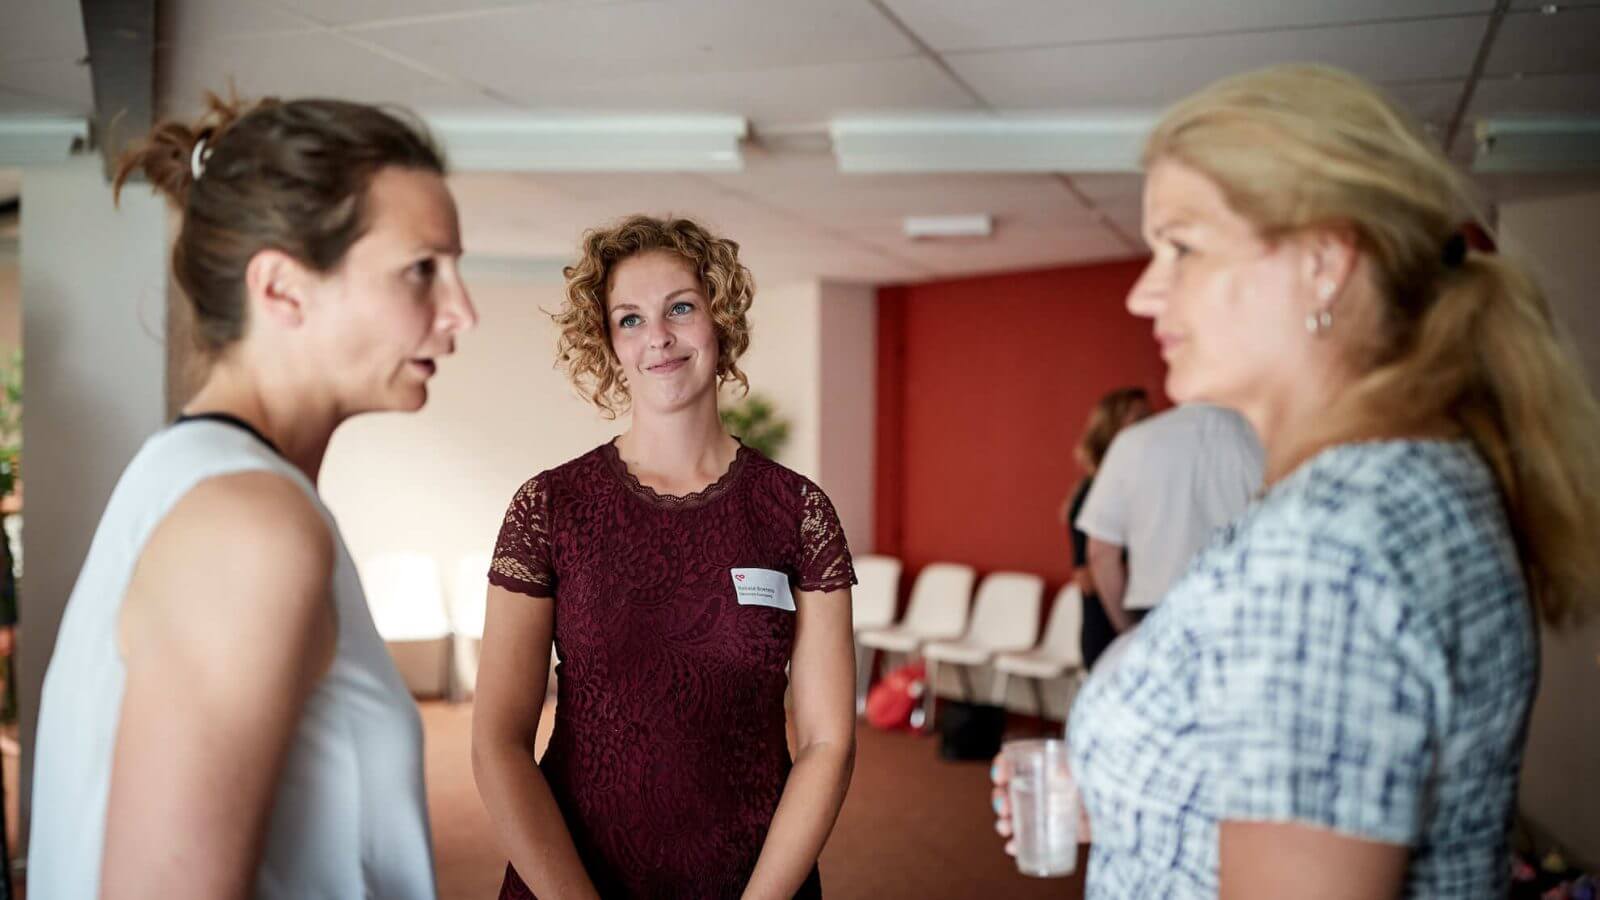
(220, 717)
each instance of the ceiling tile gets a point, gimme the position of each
(1559, 95)
(324, 65)
(1502, 187)
(57, 86)
(14, 104)
(794, 216)
(811, 186)
(1128, 216)
(544, 217)
(799, 95)
(513, 215)
(772, 258)
(1432, 103)
(954, 25)
(778, 269)
(578, 44)
(1565, 43)
(190, 23)
(1104, 188)
(360, 12)
(558, 208)
(1011, 248)
(1562, 5)
(598, 199)
(42, 29)
(1145, 73)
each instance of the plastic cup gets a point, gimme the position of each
(1044, 808)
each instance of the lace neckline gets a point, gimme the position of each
(673, 501)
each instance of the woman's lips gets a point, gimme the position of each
(664, 368)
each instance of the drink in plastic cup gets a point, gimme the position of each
(1044, 808)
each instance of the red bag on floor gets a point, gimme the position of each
(891, 700)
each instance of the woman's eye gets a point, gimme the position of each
(630, 320)
(682, 308)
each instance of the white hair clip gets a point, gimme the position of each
(197, 161)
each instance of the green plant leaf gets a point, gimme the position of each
(754, 420)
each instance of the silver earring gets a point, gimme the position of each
(1319, 322)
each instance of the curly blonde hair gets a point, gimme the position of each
(584, 348)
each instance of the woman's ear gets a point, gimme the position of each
(277, 287)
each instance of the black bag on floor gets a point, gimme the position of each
(970, 730)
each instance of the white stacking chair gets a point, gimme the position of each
(468, 605)
(873, 598)
(941, 598)
(872, 607)
(1005, 618)
(1059, 655)
(406, 596)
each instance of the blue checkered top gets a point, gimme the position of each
(1356, 653)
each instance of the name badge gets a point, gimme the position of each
(763, 587)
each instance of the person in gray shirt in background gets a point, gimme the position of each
(1164, 486)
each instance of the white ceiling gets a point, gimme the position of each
(790, 65)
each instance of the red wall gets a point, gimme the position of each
(984, 385)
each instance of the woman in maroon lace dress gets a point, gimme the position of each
(679, 572)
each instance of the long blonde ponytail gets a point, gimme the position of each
(1467, 340)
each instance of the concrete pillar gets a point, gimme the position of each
(94, 296)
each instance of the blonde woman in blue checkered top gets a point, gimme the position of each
(1333, 701)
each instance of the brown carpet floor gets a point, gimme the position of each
(913, 826)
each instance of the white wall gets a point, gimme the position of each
(94, 297)
(498, 413)
(1561, 772)
(782, 365)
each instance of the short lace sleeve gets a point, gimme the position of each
(522, 558)
(824, 555)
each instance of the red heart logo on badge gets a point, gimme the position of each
(738, 578)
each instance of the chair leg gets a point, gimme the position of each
(452, 686)
(865, 657)
(1038, 697)
(930, 699)
(1002, 685)
(1075, 681)
(966, 683)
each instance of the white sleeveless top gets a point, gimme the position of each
(350, 819)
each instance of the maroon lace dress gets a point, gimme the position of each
(669, 752)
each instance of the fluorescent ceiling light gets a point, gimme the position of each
(593, 143)
(1537, 145)
(1110, 142)
(34, 140)
(975, 226)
